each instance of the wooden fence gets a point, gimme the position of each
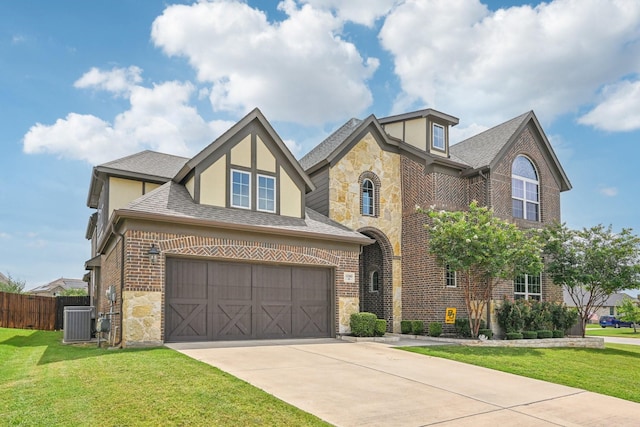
(25, 311)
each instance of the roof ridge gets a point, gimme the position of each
(329, 144)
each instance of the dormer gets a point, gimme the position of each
(427, 130)
(248, 168)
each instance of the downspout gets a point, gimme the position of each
(122, 260)
(486, 192)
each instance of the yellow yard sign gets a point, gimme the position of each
(450, 317)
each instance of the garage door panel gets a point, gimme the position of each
(221, 300)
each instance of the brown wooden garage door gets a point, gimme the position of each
(215, 300)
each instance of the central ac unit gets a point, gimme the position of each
(77, 323)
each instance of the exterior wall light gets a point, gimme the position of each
(153, 253)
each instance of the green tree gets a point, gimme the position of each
(591, 264)
(629, 311)
(74, 293)
(13, 286)
(484, 249)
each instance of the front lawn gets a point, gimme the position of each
(43, 382)
(598, 331)
(612, 371)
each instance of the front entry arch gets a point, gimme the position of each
(376, 281)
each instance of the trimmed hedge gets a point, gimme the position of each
(545, 334)
(463, 327)
(513, 336)
(486, 332)
(415, 327)
(381, 327)
(435, 329)
(529, 335)
(363, 324)
(558, 333)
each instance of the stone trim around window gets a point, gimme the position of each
(369, 207)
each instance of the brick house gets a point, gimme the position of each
(242, 241)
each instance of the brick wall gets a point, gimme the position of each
(141, 275)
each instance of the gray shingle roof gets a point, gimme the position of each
(612, 300)
(173, 200)
(480, 150)
(148, 163)
(326, 147)
(62, 282)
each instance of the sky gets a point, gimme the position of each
(83, 83)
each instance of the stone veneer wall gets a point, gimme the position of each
(344, 206)
(144, 293)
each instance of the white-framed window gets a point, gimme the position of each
(374, 281)
(240, 189)
(438, 137)
(525, 194)
(528, 286)
(450, 277)
(368, 197)
(266, 193)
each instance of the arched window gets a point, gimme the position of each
(525, 194)
(374, 282)
(368, 198)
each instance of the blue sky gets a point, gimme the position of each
(82, 83)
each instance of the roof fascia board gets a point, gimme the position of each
(418, 114)
(354, 138)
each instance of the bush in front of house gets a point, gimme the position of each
(435, 329)
(518, 315)
(363, 324)
(513, 336)
(405, 326)
(381, 327)
(558, 333)
(463, 328)
(486, 332)
(544, 333)
(529, 335)
(417, 327)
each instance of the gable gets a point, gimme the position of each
(248, 167)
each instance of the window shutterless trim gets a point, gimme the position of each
(273, 179)
(231, 193)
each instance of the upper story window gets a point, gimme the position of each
(369, 194)
(450, 277)
(525, 194)
(266, 193)
(240, 189)
(368, 198)
(528, 286)
(438, 137)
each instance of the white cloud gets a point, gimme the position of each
(364, 12)
(618, 111)
(118, 80)
(4, 235)
(293, 146)
(461, 133)
(18, 39)
(298, 70)
(159, 118)
(608, 191)
(458, 56)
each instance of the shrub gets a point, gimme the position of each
(513, 335)
(558, 333)
(486, 332)
(538, 317)
(417, 327)
(381, 327)
(562, 317)
(363, 324)
(543, 333)
(464, 329)
(435, 329)
(511, 315)
(405, 326)
(529, 335)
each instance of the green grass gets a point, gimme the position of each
(43, 382)
(598, 331)
(612, 371)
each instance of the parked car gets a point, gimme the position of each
(612, 321)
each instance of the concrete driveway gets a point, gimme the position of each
(373, 384)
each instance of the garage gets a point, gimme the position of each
(219, 300)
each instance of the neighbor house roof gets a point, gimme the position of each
(612, 300)
(62, 283)
(172, 202)
(3, 278)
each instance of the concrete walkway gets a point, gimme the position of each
(373, 384)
